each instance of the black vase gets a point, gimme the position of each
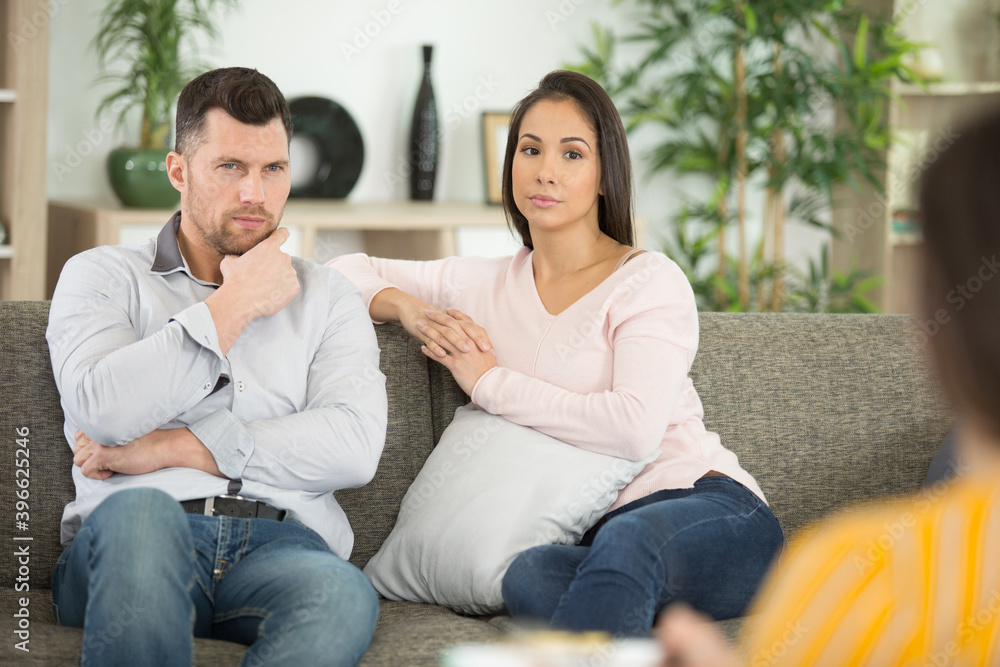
(424, 137)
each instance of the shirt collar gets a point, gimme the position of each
(168, 254)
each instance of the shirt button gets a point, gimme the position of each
(208, 385)
(239, 385)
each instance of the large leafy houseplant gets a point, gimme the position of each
(791, 96)
(148, 42)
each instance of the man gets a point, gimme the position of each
(216, 392)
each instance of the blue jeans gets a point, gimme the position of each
(708, 546)
(142, 578)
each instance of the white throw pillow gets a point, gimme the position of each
(489, 490)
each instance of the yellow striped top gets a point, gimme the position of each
(915, 583)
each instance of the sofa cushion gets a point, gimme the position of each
(414, 634)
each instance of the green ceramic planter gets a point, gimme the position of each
(139, 177)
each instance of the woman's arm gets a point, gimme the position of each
(406, 291)
(627, 421)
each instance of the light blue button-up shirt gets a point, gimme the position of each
(134, 348)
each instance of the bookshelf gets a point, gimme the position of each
(873, 230)
(23, 116)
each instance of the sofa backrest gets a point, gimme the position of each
(409, 438)
(823, 410)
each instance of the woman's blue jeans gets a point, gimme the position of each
(708, 546)
(142, 578)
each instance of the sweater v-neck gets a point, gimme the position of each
(528, 268)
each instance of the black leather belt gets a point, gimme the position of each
(233, 505)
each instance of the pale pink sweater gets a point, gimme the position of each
(609, 374)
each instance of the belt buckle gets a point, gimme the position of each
(210, 502)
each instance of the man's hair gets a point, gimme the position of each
(614, 207)
(960, 202)
(243, 93)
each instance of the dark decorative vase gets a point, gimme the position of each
(424, 137)
(139, 177)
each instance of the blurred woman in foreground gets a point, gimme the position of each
(914, 582)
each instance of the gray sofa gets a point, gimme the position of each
(823, 410)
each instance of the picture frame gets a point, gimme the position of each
(495, 127)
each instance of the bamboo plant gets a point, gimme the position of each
(745, 94)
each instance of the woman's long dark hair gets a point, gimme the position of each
(960, 201)
(614, 207)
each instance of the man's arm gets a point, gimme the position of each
(335, 442)
(114, 385)
(162, 448)
(117, 387)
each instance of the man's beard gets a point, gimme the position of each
(227, 238)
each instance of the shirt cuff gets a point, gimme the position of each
(227, 439)
(198, 323)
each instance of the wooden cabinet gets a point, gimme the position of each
(873, 233)
(23, 114)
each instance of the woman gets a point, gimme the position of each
(583, 337)
(929, 592)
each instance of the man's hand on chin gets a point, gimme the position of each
(162, 448)
(258, 283)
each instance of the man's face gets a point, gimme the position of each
(233, 186)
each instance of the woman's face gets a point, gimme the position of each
(556, 170)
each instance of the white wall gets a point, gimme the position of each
(498, 49)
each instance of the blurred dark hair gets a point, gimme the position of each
(243, 93)
(614, 208)
(960, 202)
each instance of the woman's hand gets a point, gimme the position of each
(467, 363)
(452, 326)
(449, 336)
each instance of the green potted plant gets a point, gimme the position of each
(148, 38)
(742, 94)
